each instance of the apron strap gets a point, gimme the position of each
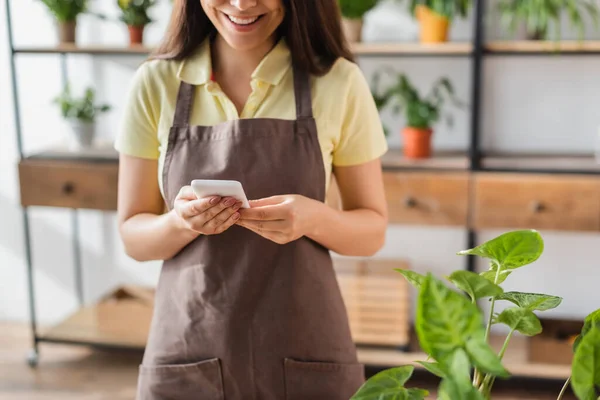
(183, 107)
(302, 93)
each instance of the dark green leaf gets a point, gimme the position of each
(591, 321)
(511, 250)
(434, 368)
(445, 319)
(532, 301)
(521, 320)
(585, 371)
(475, 285)
(482, 355)
(412, 277)
(389, 385)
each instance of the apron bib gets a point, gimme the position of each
(238, 317)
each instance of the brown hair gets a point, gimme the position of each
(311, 28)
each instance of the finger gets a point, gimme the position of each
(222, 217)
(186, 192)
(268, 226)
(212, 212)
(190, 209)
(268, 201)
(228, 223)
(272, 236)
(266, 213)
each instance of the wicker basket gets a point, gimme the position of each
(377, 300)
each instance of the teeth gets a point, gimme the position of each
(242, 21)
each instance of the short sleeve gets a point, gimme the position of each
(362, 137)
(138, 130)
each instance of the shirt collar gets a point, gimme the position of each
(197, 68)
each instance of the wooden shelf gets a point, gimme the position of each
(101, 152)
(88, 49)
(449, 48)
(394, 159)
(535, 46)
(537, 162)
(515, 360)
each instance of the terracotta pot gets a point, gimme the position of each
(136, 34)
(434, 27)
(417, 142)
(66, 31)
(352, 29)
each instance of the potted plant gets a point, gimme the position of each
(66, 13)
(134, 13)
(421, 113)
(537, 16)
(454, 334)
(435, 17)
(353, 12)
(81, 114)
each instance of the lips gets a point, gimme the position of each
(243, 21)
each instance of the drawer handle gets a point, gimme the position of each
(537, 207)
(409, 202)
(68, 188)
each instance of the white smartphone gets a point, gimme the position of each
(205, 188)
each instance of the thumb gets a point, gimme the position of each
(267, 201)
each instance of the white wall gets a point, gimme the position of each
(547, 104)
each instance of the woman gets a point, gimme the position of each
(247, 305)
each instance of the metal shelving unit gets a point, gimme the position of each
(472, 160)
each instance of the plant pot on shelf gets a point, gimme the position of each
(417, 142)
(82, 134)
(352, 29)
(66, 31)
(136, 34)
(433, 27)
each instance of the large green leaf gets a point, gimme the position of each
(532, 301)
(457, 384)
(445, 319)
(475, 285)
(482, 355)
(414, 278)
(585, 371)
(389, 385)
(496, 277)
(449, 390)
(591, 321)
(511, 250)
(434, 368)
(521, 320)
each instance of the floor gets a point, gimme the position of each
(69, 373)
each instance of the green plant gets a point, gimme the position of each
(451, 328)
(135, 12)
(420, 112)
(356, 9)
(448, 8)
(539, 15)
(83, 109)
(66, 10)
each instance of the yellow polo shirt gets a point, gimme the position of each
(349, 129)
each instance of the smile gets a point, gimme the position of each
(243, 21)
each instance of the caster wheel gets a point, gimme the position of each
(32, 358)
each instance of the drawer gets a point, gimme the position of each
(427, 198)
(72, 184)
(537, 202)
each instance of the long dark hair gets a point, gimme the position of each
(312, 29)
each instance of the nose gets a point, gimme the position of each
(244, 5)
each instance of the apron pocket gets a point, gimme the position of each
(322, 380)
(202, 380)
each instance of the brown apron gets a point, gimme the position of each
(238, 317)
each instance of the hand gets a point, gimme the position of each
(208, 216)
(281, 219)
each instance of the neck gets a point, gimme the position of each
(228, 61)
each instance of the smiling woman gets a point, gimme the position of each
(263, 92)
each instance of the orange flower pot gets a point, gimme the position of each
(417, 142)
(434, 27)
(136, 34)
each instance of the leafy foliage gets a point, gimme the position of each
(540, 15)
(448, 8)
(532, 301)
(83, 108)
(414, 278)
(356, 9)
(420, 112)
(389, 385)
(521, 320)
(475, 285)
(135, 12)
(586, 366)
(66, 10)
